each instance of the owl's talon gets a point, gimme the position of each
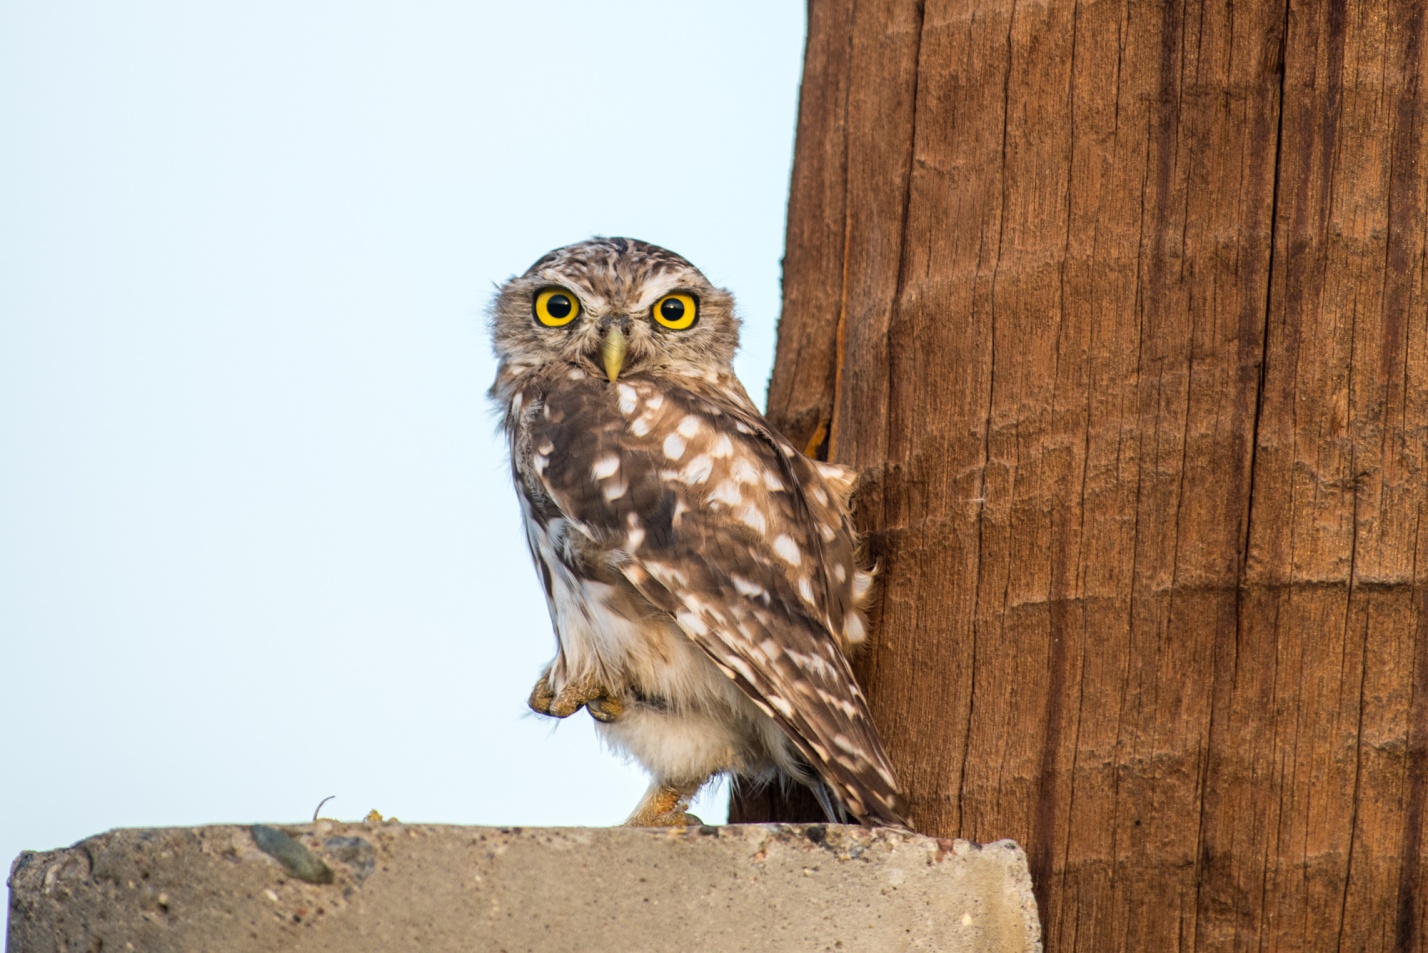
(605, 708)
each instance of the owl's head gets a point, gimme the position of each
(614, 306)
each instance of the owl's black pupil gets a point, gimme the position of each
(672, 309)
(558, 306)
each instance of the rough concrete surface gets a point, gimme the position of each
(398, 887)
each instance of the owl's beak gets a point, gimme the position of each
(612, 351)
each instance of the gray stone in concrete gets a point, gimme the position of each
(415, 887)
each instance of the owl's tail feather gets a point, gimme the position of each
(800, 797)
(832, 807)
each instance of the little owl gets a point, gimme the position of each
(701, 573)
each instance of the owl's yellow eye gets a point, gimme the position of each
(676, 311)
(556, 307)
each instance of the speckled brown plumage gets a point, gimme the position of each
(702, 575)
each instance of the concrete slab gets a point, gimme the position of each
(323, 887)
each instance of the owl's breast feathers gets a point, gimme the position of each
(684, 490)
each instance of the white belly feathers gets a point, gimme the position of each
(683, 719)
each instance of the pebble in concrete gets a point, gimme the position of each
(390, 886)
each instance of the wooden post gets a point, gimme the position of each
(1121, 308)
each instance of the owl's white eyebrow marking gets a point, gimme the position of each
(689, 426)
(722, 447)
(674, 446)
(629, 400)
(697, 470)
(606, 466)
(787, 550)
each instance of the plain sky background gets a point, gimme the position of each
(257, 540)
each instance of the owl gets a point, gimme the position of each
(702, 574)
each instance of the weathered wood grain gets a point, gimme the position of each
(1121, 308)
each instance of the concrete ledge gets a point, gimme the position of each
(397, 887)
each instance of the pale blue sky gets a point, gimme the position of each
(257, 543)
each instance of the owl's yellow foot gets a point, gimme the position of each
(541, 696)
(574, 695)
(664, 806)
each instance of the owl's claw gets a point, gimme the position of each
(574, 695)
(664, 806)
(605, 708)
(666, 819)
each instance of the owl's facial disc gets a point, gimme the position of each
(614, 308)
(672, 312)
